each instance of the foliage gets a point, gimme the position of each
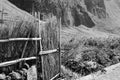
(104, 52)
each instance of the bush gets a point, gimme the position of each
(103, 51)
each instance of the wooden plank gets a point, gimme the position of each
(19, 39)
(15, 61)
(48, 52)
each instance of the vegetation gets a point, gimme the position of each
(19, 29)
(15, 49)
(102, 52)
(72, 13)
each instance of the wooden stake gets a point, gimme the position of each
(37, 56)
(60, 46)
(23, 52)
(25, 47)
(41, 49)
(42, 61)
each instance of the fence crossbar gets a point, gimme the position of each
(19, 39)
(47, 52)
(15, 61)
(55, 76)
(3, 64)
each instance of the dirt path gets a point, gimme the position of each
(113, 73)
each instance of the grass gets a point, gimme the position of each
(103, 51)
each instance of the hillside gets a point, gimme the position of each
(14, 13)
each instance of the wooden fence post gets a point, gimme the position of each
(60, 46)
(41, 49)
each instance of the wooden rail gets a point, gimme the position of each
(15, 61)
(47, 52)
(25, 59)
(19, 39)
(55, 76)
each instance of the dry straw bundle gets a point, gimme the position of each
(17, 29)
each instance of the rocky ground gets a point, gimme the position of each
(26, 73)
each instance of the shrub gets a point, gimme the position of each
(103, 51)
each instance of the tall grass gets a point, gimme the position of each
(14, 49)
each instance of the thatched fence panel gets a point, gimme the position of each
(50, 41)
(50, 65)
(20, 49)
(50, 36)
(17, 29)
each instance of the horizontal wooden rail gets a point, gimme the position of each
(47, 52)
(55, 76)
(19, 39)
(15, 61)
(8, 63)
